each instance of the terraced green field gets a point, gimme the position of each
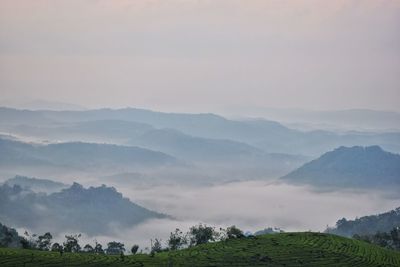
(286, 249)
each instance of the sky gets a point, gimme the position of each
(202, 55)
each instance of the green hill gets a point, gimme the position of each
(284, 249)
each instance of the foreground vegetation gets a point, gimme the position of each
(283, 249)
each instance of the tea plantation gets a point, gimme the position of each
(285, 249)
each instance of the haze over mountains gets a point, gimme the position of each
(138, 140)
(138, 118)
(176, 163)
(339, 120)
(128, 124)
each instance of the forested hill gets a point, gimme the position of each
(76, 209)
(367, 225)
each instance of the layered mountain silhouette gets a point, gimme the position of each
(237, 160)
(79, 155)
(350, 166)
(124, 125)
(196, 148)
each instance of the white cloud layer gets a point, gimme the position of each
(251, 206)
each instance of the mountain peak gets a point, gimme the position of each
(350, 166)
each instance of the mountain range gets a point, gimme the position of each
(107, 142)
(123, 126)
(223, 159)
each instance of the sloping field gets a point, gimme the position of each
(286, 249)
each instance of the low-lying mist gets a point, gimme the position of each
(255, 204)
(252, 206)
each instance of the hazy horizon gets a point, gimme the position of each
(41, 104)
(202, 56)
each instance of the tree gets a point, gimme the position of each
(115, 248)
(56, 247)
(72, 243)
(156, 247)
(341, 223)
(8, 236)
(234, 232)
(388, 240)
(98, 248)
(44, 241)
(201, 234)
(29, 241)
(177, 240)
(25, 243)
(395, 234)
(88, 248)
(134, 249)
(382, 239)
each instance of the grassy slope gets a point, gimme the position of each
(287, 249)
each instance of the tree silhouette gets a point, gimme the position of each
(72, 243)
(134, 249)
(44, 241)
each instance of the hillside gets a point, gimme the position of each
(76, 209)
(285, 249)
(236, 155)
(181, 145)
(78, 155)
(365, 167)
(367, 225)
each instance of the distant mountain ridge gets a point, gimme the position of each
(351, 119)
(182, 151)
(350, 166)
(269, 136)
(79, 155)
(179, 144)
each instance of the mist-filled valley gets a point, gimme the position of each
(134, 175)
(201, 133)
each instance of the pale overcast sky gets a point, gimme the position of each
(202, 55)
